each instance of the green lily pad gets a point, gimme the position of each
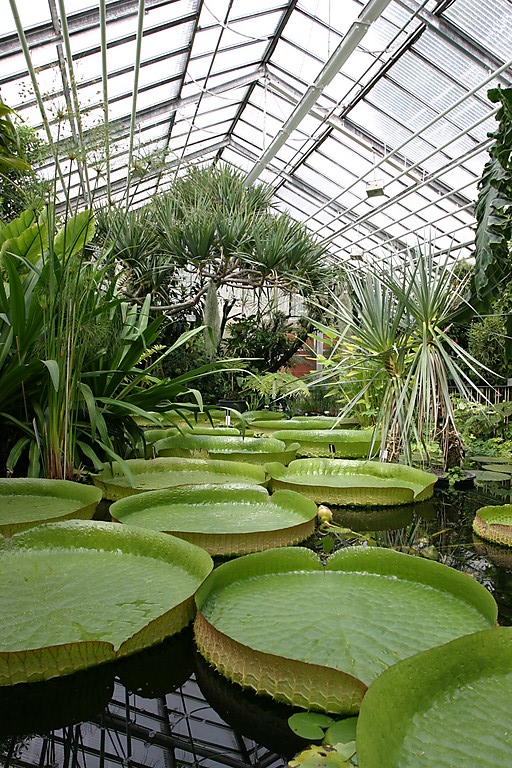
(282, 624)
(154, 474)
(80, 593)
(264, 415)
(256, 450)
(347, 482)
(25, 502)
(225, 520)
(335, 443)
(269, 426)
(486, 476)
(494, 523)
(448, 706)
(492, 459)
(498, 467)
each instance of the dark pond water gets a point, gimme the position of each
(165, 707)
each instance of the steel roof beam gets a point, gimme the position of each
(355, 34)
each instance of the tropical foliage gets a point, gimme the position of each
(77, 361)
(211, 227)
(396, 345)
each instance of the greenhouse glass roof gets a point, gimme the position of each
(370, 120)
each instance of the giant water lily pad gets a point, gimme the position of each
(448, 706)
(498, 467)
(80, 593)
(25, 502)
(494, 523)
(269, 426)
(264, 415)
(152, 474)
(282, 624)
(337, 443)
(256, 450)
(486, 476)
(347, 482)
(225, 520)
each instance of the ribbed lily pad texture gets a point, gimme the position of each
(153, 474)
(79, 593)
(348, 482)
(269, 426)
(225, 520)
(256, 450)
(494, 523)
(448, 707)
(282, 624)
(337, 443)
(25, 502)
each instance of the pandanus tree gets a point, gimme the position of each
(210, 228)
(396, 344)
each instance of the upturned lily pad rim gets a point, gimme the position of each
(224, 443)
(115, 483)
(337, 481)
(377, 560)
(28, 664)
(495, 513)
(411, 685)
(83, 500)
(303, 682)
(273, 533)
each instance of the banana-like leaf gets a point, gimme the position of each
(282, 624)
(448, 706)
(74, 235)
(79, 593)
(223, 519)
(25, 502)
(154, 474)
(351, 482)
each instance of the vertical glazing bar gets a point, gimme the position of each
(104, 77)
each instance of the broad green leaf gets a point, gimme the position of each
(310, 725)
(28, 246)
(319, 757)
(364, 612)
(444, 707)
(74, 235)
(342, 732)
(224, 519)
(139, 588)
(25, 502)
(351, 482)
(17, 227)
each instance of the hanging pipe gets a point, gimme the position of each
(355, 34)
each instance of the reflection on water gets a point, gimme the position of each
(165, 707)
